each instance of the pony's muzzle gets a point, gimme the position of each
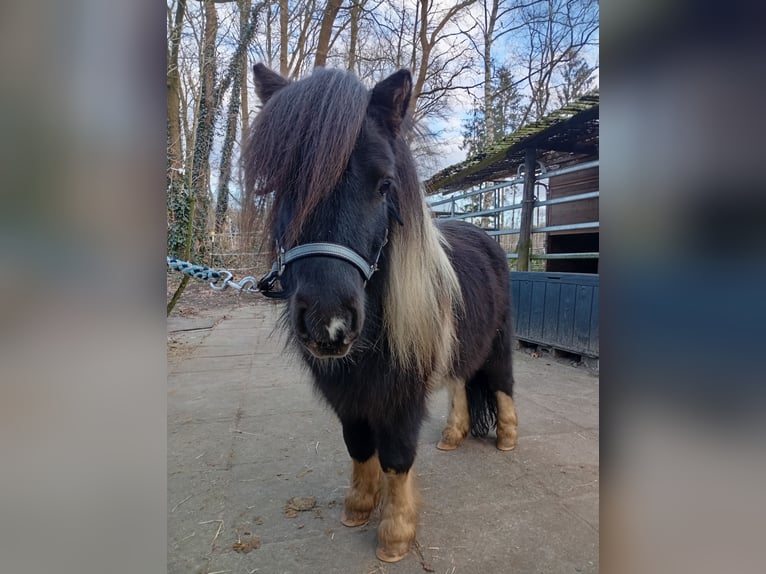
(328, 333)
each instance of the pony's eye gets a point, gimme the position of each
(384, 187)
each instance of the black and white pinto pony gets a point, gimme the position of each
(384, 303)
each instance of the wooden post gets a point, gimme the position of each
(527, 205)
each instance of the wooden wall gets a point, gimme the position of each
(578, 211)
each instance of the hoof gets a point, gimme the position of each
(446, 445)
(505, 444)
(354, 519)
(393, 554)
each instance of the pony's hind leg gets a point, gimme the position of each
(498, 376)
(362, 497)
(507, 422)
(500, 379)
(458, 420)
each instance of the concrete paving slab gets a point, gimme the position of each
(246, 432)
(176, 324)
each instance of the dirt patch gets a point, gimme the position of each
(178, 348)
(299, 504)
(247, 543)
(199, 297)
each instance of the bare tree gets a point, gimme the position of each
(238, 71)
(557, 30)
(495, 19)
(576, 79)
(244, 12)
(200, 167)
(200, 137)
(177, 205)
(437, 48)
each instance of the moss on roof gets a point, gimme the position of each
(552, 131)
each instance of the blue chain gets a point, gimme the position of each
(219, 279)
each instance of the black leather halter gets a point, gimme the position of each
(267, 282)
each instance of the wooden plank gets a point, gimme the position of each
(582, 316)
(593, 342)
(551, 314)
(537, 310)
(566, 315)
(523, 308)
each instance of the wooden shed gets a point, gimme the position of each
(562, 148)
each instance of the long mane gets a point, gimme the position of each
(422, 294)
(298, 149)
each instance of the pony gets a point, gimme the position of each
(383, 303)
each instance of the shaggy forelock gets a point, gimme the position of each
(300, 143)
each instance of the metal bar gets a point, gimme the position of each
(548, 229)
(567, 199)
(469, 214)
(517, 180)
(568, 227)
(584, 255)
(500, 185)
(542, 256)
(570, 169)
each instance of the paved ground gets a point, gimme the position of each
(246, 434)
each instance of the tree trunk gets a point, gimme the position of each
(239, 72)
(177, 204)
(283, 37)
(489, 32)
(325, 32)
(175, 151)
(244, 17)
(205, 125)
(353, 43)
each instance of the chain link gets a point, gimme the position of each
(219, 279)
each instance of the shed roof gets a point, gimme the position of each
(567, 132)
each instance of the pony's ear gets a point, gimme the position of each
(390, 99)
(267, 82)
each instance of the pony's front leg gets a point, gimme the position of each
(400, 510)
(363, 495)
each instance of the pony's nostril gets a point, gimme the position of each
(355, 314)
(301, 327)
(354, 322)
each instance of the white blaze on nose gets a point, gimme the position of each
(335, 326)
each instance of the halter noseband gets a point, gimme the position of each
(266, 284)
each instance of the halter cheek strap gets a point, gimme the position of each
(266, 284)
